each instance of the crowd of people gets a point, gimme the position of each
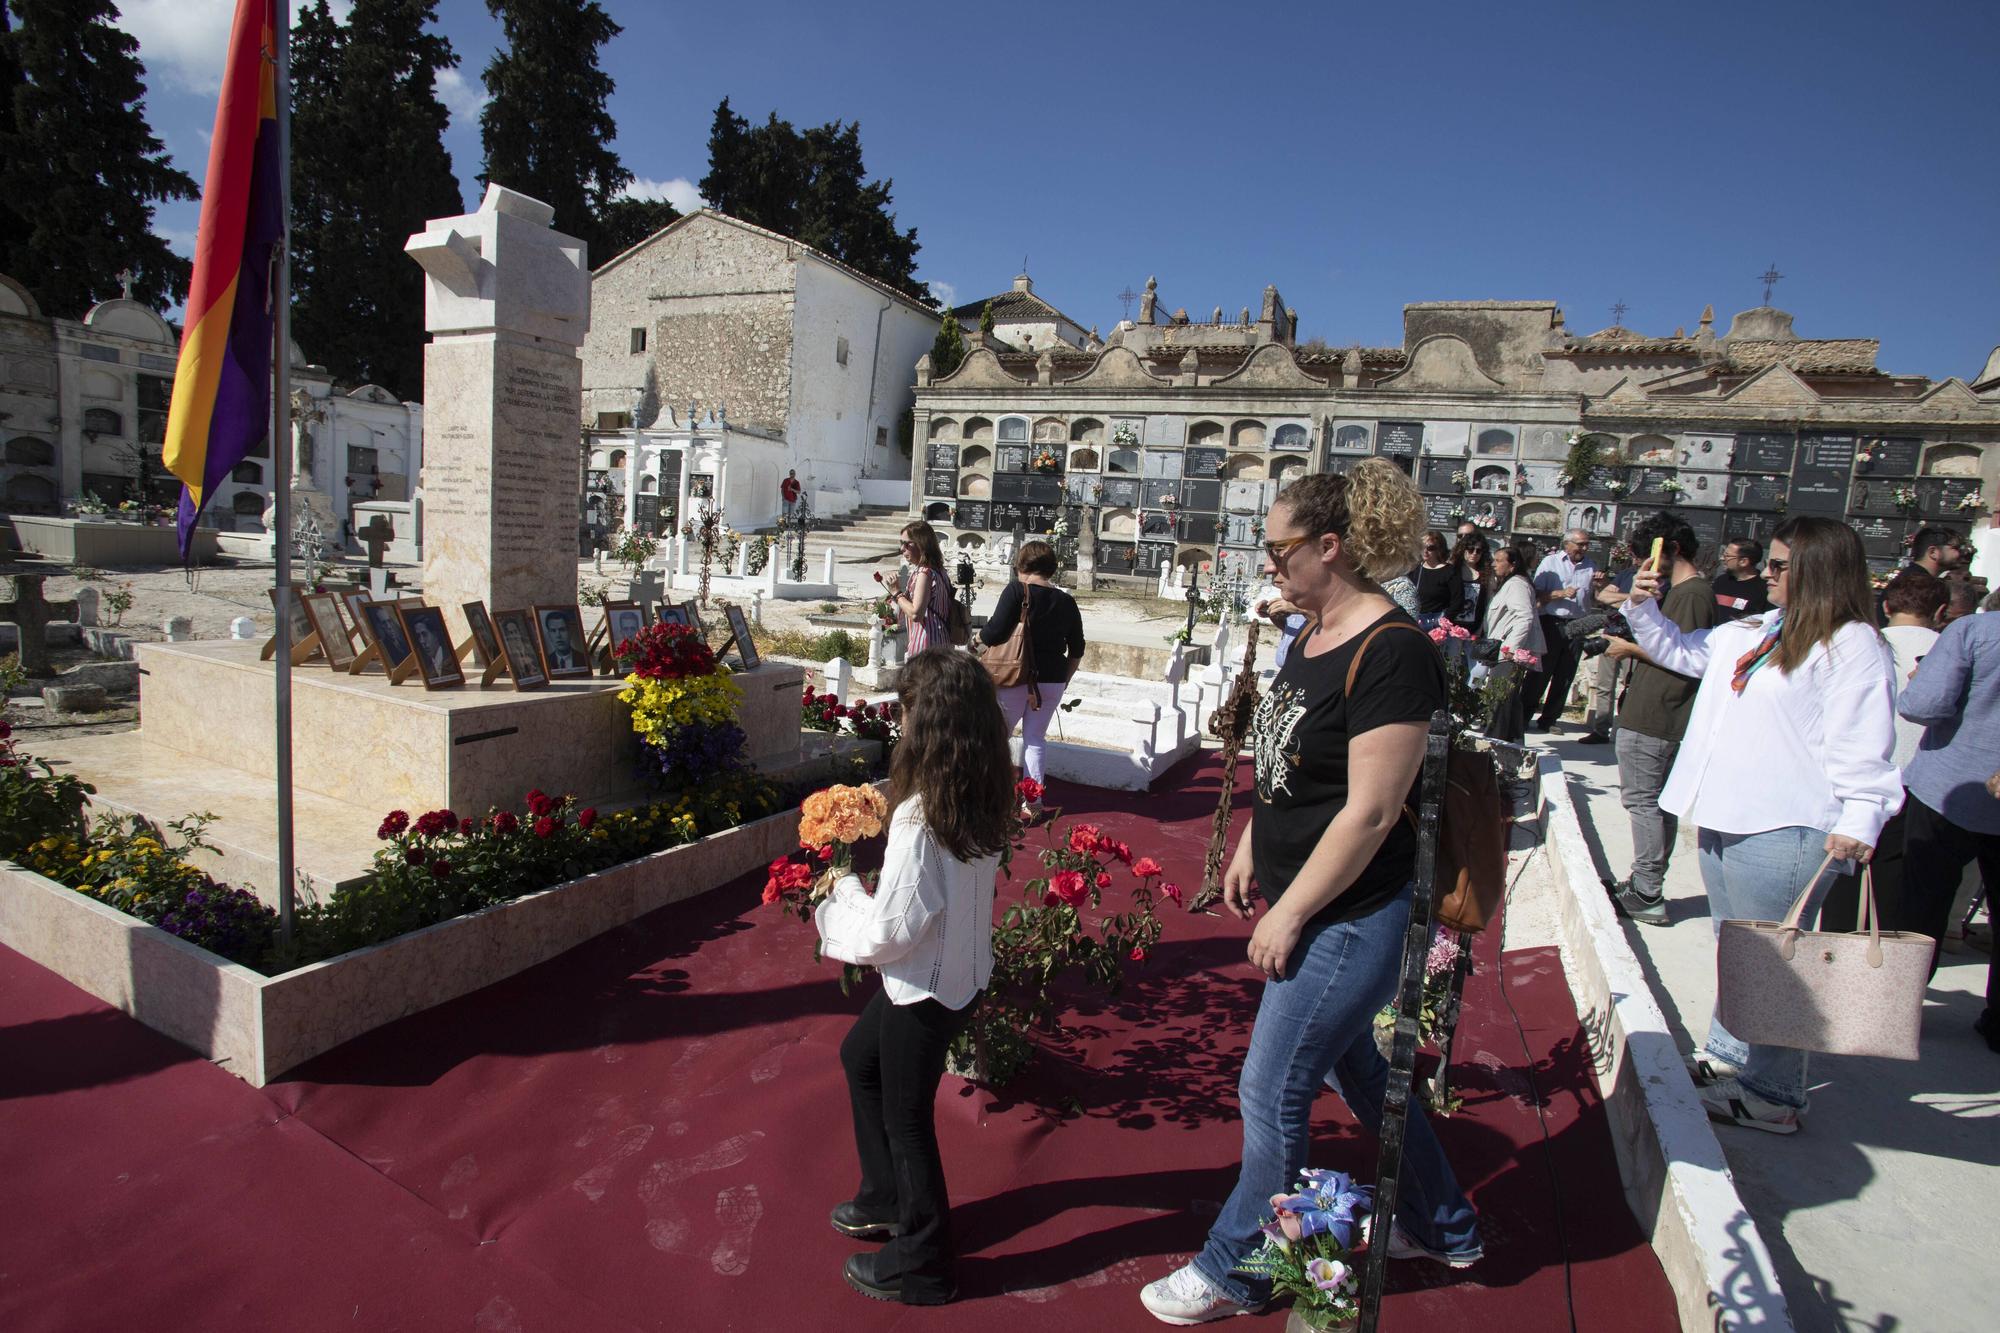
(1757, 696)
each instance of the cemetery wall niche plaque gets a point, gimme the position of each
(1704, 490)
(1121, 491)
(1399, 439)
(1447, 439)
(1204, 462)
(1494, 442)
(940, 483)
(1873, 497)
(1760, 451)
(1939, 497)
(972, 514)
(1820, 474)
(1434, 475)
(1748, 525)
(1547, 443)
(1707, 453)
(1891, 457)
(1013, 458)
(1760, 492)
(1350, 437)
(1205, 496)
(1597, 519)
(1883, 537)
(941, 455)
(1597, 485)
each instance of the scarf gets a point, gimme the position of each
(1746, 665)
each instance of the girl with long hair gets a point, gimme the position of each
(1055, 635)
(1333, 858)
(925, 597)
(1788, 759)
(928, 928)
(1473, 559)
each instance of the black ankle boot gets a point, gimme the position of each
(851, 1222)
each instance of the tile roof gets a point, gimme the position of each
(1013, 307)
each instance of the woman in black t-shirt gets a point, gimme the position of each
(1338, 743)
(1055, 636)
(1438, 582)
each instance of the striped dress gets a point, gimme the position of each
(927, 628)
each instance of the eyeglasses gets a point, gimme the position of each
(1776, 566)
(1277, 551)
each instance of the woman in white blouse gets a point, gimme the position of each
(1786, 760)
(1511, 618)
(928, 928)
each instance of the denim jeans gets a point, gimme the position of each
(1643, 764)
(1755, 877)
(1316, 1025)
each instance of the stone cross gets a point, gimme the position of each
(378, 534)
(125, 279)
(30, 615)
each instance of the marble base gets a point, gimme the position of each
(258, 1027)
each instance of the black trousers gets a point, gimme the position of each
(1548, 688)
(1935, 855)
(1841, 909)
(894, 1058)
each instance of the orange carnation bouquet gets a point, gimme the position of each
(831, 821)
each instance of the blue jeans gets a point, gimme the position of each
(1755, 877)
(1316, 1025)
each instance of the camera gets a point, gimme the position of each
(1592, 633)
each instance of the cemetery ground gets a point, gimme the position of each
(1879, 1213)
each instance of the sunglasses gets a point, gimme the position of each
(1277, 551)
(1775, 567)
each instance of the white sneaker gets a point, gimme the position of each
(1184, 1297)
(1730, 1103)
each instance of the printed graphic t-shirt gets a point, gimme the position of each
(1299, 741)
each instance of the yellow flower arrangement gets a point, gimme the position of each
(659, 706)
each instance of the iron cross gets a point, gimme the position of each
(1618, 309)
(1769, 277)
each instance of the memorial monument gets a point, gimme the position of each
(507, 303)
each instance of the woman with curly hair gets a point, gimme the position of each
(929, 929)
(1338, 742)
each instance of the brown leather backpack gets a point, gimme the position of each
(1472, 828)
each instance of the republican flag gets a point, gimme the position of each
(222, 389)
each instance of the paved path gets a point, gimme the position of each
(1881, 1212)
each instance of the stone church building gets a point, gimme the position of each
(721, 355)
(1165, 446)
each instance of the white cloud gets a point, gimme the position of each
(680, 192)
(183, 42)
(945, 292)
(464, 97)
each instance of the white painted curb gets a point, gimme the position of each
(1677, 1182)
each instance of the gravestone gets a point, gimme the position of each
(1893, 457)
(507, 304)
(1760, 452)
(1821, 473)
(1399, 439)
(30, 613)
(376, 536)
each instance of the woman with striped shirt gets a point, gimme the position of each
(925, 597)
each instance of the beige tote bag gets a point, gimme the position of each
(1859, 993)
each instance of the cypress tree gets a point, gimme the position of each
(80, 168)
(547, 131)
(986, 318)
(369, 169)
(948, 348)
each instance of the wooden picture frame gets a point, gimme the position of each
(387, 641)
(323, 610)
(286, 601)
(520, 653)
(693, 614)
(622, 620)
(673, 615)
(485, 639)
(432, 655)
(357, 627)
(739, 629)
(559, 635)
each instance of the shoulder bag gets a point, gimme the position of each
(1012, 662)
(1842, 992)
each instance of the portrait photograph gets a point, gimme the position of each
(622, 620)
(565, 654)
(740, 629)
(485, 641)
(323, 611)
(693, 613)
(517, 648)
(431, 641)
(386, 632)
(673, 615)
(287, 602)
(357, 625)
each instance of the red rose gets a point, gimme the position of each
(1138, 954)
(1103, 879)
(586, 816)
(1122, 851)
(435, 823)
(505, 822)
(538, 803)
(392, 824)
(1029, 790)
(1146, 868)
(1171, 890)
(771, 894)
(440, 868)
(1084, 838)
(545, 827)
(1068, 885)
(468, 825)
(414, 856)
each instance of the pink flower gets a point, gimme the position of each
(1169, 889)
(1103, 879)
(1147, 868)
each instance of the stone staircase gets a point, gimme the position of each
(868, 536)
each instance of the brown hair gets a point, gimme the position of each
(926, 539)
(1374, 509)
(954, 753)
(1829, 586)
(1469, 543)
(1036, 558)
(1915, 592)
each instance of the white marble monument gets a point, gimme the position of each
(507, 303)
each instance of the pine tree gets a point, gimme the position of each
(547, 131)
(948, 348)
(14, 228)
(812, 186)
(369, 169)
(80, 169)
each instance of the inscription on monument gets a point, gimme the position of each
(942, 455)
(1762, 452)
(1893, 457)
(1820, 475)
(1763, 493)
(1204, 462)
(1399, 439)
(940, 482)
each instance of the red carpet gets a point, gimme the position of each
(647, 1132)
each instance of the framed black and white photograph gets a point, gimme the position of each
(323, 612)
(356, 621)
(693, 614)
(672, 615)
(385, 631)
(485, 641)
(437, 664)
(287, 602)
(739, 629)
(622, 620)
(559, 630)
(517, 646)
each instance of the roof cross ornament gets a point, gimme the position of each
(1618, 309)
(1769, 277)
(126, 277)
(1126, 298)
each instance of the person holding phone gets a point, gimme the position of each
(1787, 758)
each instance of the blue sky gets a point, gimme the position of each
(1357, 157)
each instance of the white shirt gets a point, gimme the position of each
(1810, 748)
(1909, 642)
(1986, 562)
(1556, 571)
(929, 927)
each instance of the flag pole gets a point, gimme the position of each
(281, 460)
